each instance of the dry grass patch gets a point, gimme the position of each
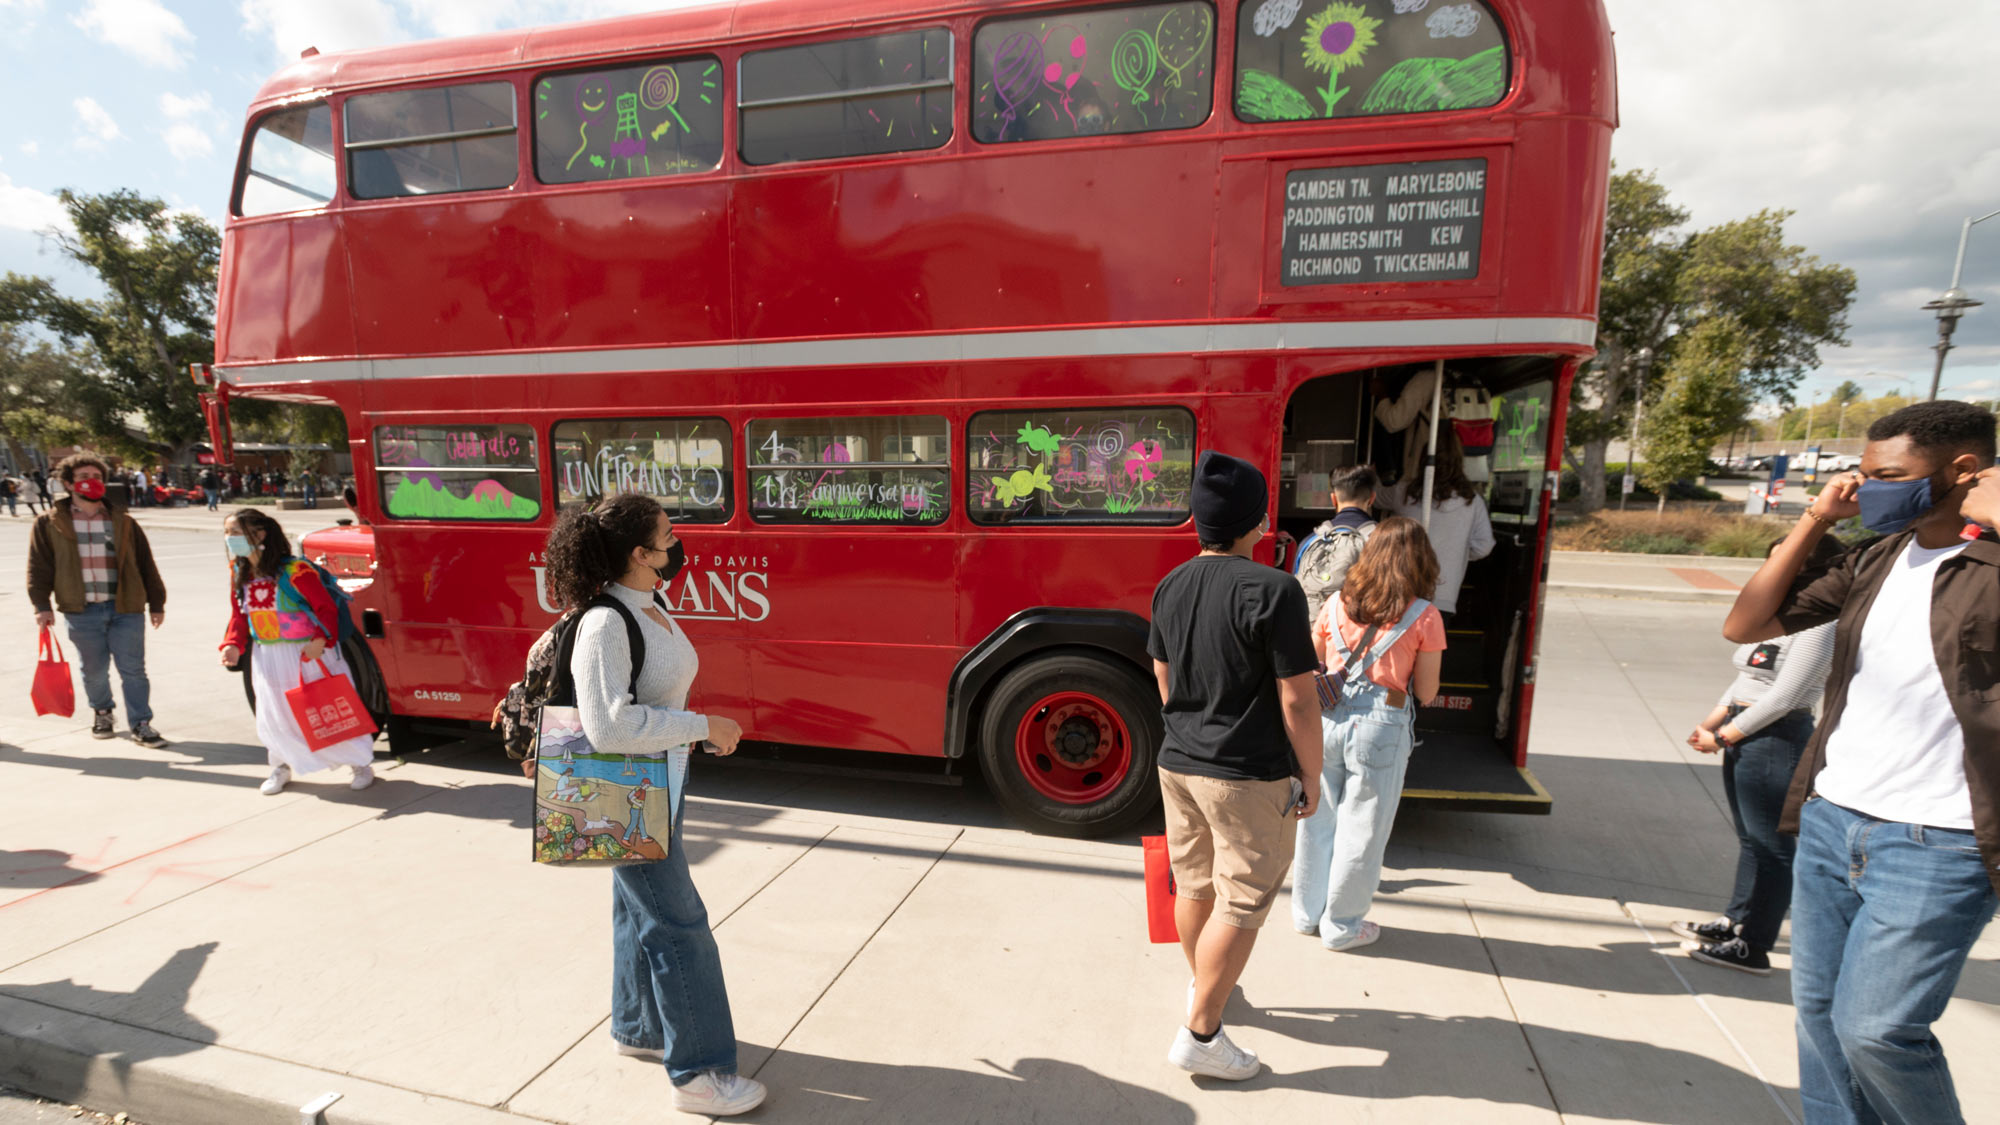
(1677, 532)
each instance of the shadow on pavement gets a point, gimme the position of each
(813, 1088)
(39, 869)
(161, 1001)
(1639, 1081)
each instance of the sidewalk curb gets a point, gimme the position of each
(1647, 593)
(165, 1080)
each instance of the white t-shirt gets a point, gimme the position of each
(1899, 752)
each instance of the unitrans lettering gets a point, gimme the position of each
(716, 595)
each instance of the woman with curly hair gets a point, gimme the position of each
(1382, 630)
(668, 1002)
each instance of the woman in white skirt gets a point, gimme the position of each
(281, 602)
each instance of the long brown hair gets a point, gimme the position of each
(1395, 568)
(1451, 479)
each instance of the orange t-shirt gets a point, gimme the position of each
(1396, 666)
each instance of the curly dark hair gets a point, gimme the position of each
(590, 547)
(67, 467)
(272, 553)
(1943, 429)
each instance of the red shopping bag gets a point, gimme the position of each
(54, 692)
(328, 709)
(1160, 927)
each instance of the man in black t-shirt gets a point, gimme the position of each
(1232, 650)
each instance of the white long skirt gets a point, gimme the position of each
(275, 669)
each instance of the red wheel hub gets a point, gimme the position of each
(1073, 747)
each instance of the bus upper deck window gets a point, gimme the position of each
(653, 119)
(850, 97)
(1105, 70)
(1301, 63)
(431, 141)
(290, 164)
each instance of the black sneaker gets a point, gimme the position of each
(1734, 954)
(144, 734)
(1715, 929)
(100, 724)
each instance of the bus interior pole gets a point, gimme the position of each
(1430, 459)
(1368, 418)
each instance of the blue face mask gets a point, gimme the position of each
(1889, 506)
(238, 546)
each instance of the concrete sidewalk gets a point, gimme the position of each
(175, 945)
(1677, 578)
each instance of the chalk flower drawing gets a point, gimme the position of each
(1455, 22)
(1405, 7)
(1145, 454)
(1274, 16)
(1335, 40)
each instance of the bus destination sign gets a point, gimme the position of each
(1384, 223)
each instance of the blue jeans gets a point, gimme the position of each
(666, 973)
(1756, 776)
(214, 497)
(100, 635)
(1337, 864)
(1883, 916)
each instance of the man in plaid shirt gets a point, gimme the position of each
(93, 559)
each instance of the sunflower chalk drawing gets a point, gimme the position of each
(1335, 40)
(1455, 22)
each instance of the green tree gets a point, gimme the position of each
(1848, 391)
(1703, 394)
(157, 316)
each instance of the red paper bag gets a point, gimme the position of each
(54, 692)
(1160, 927)
(328, 709)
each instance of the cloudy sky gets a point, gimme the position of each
(1878, 130)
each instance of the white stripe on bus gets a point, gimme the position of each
(1166, 339)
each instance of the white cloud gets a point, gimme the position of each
(330, 25)
(1881, 143)
(186, 134)
(99, 128)
(30, 148)
(24, 208)
(339, 25)
(144, 29)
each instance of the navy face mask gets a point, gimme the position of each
(1889, 506)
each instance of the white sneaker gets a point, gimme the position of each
(1217, 1058)
(275, 784)
(657, 1054)
(1369, 934)
(719, 1095)
(364, 776)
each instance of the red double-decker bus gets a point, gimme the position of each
(914, 316)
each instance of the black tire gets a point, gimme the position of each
(1116, 686)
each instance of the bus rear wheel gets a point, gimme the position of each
(1068, 744)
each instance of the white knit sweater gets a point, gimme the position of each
(615, 722)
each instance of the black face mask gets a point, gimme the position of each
(676, 559)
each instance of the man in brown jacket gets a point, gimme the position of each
(1896, 802)
(95, 561)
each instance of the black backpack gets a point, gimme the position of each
(548, 677)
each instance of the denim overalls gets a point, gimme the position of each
(1338, 861)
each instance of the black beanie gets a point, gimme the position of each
(1228, 497)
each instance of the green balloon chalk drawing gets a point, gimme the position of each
(1419, 85)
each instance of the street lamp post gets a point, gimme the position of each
(1954, 303)
(1644, 360)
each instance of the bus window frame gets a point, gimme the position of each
(727, 468)
(523, 154)
(544, 482)
(742, 52)
(1045, 523)
(1216, 91)
(948, 467)
(249, 139)
(532, 175)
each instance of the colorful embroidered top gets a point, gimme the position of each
(293, 610)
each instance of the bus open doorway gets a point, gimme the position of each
(1471, 753)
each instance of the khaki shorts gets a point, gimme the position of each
(1230, 840)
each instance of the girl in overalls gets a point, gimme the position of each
(1390, 640)
(282, 602)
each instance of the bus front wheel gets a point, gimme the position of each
(1068, 742)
